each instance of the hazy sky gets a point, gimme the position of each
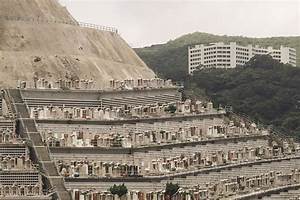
(146, 22)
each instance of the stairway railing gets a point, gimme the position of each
(273, 130)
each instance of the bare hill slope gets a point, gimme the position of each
(40, 37)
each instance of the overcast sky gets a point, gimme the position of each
(147, 22)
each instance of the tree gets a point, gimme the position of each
(119, 190)
(171, 189)
(171, 108)
(264, 89)
(262, 61)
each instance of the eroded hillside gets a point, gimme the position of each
(39, 37)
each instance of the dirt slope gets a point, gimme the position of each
(33, 40)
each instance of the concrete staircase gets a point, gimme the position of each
(26, 128)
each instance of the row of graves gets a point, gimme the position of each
(7, 132)
(19, 176)
(69, 83)
(61, 84)
(125, 112)
(143, 134)
(97, 169)
(233, 188)
(167, 164)
(140, 83)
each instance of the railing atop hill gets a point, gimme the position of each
(98, 27)
(73, 23)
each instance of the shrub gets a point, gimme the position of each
(119, 190)
(171, 189)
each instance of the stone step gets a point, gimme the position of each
(35, 138)
(50, 168)
(16, 95)
(42, 153)
(22, 111)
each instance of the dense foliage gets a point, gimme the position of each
(170, 60)
(171, 108)
(264, 89)
(119, 190)
(171, 189)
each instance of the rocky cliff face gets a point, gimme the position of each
(39, 37)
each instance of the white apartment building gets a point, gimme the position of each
(220, 55)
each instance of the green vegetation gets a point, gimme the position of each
(171, 189)
(170, 60)
(119, 190)
(171, 108)
(264, 89)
